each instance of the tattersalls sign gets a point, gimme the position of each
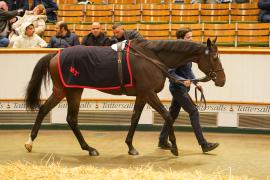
(227, 113)
(128, 105)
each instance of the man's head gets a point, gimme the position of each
(61, 28)
(118, 31)
(184, 33)
(30, 30)
(96, 29)
(3, 5)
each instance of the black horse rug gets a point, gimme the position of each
(93, 67)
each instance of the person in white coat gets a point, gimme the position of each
(28, 38)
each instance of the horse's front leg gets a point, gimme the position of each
(137, 111)
(154, 102)
(74, 98)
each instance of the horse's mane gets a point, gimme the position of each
(170, 45)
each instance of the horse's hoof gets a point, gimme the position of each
(28, 147)
(174, 151)
(133, 152)
(94, 153)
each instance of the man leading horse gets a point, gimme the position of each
(181, 99)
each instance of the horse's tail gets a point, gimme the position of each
(41, 72)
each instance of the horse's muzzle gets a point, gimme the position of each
(220, 83)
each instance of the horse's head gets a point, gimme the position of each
(210, 63)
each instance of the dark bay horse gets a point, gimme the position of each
(148, 81)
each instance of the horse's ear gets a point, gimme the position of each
(209, 43)
(215, 40)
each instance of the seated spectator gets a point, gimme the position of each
(17, 4)
(37, 17)
(50, 7)
(120, 34)
(264, 14)
(28, 38)
(6, 19)
(96, 37)
(63, 38)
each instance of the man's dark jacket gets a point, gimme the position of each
(182, 72)
(91, 40)
(63, 42)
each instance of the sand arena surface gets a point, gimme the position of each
(240, 154)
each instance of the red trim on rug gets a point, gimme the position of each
(97, 88)
(59, 69)
(128, 65)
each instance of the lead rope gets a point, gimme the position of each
(202, 100)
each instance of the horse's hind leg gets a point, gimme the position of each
(74, 98)
(153, 100)
(137, 111)
(44, 109)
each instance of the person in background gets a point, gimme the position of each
(28, 38)
(50, 6)
(6, 20)
(17, 4)
(63, 38)
(120, 34)
(181, 99)
(96, 37)
(37, 17)
(264, 14)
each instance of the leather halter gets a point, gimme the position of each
(212, 74)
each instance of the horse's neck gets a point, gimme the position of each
(188, 53)
(176, 59)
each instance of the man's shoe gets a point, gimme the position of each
(164, 145)
(209, 147)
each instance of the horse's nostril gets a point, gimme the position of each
(220, 83)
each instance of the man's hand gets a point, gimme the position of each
(13, 20)
(187, 83)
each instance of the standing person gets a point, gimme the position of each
(28, 38)
(6, 19)
(50, 7)
(96, 37)
(63, 38)
(181, 99)
(120, 34)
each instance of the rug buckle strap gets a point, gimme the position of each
(120, 68)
